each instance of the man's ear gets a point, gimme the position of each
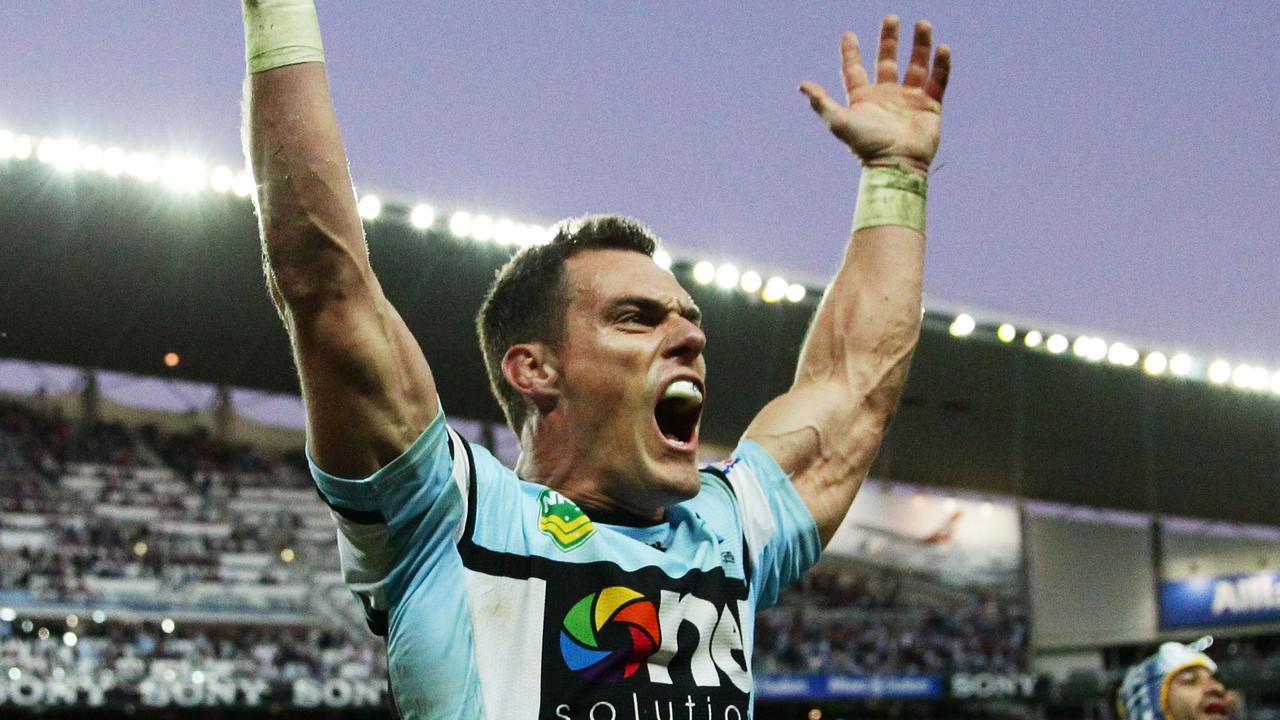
(533, 370)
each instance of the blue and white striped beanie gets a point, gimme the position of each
(1144, 694)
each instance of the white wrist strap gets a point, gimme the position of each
(890, 196)
(280, 32)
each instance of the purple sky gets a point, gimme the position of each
(1112, 168)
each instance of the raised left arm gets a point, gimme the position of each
(826, 429)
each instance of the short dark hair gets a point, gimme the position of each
(529, 296)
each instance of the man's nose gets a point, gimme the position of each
(687, 341)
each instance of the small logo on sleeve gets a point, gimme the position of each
(563, 521)
(727, 465)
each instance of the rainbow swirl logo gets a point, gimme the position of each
(608, 634)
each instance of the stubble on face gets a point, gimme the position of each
(1196, 694)
(614, 355)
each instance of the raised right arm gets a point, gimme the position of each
(366, 385)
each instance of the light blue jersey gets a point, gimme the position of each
(501, 599)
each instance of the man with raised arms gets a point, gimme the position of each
(607, 576)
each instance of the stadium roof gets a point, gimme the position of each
(113, 260)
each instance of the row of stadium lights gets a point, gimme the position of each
(186, 175)
(1154, 363)
(483, 228)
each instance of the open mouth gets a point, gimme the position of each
(1215, 708)
(677, 413)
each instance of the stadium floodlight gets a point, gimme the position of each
(460, 224)
(48, 151)
(1081, 346)
(140, 548)
(113, 161)
(1180, 364)
(1056, 344)
(43, 633)
(1261, 379)
(1275, 382)
(1033, 338)
(197, 677)
(751, 281)
(91, 158)
(796, 292)
(73, 620)
(221, 179)
(529, 234)
(370, 207)
(8, 614)
(1248, 377)
(167, 625)
(949, 505)
(482, 228)
(62, 154)
(243, 184)
(286, 555)
(540, 235)
(143, 166)
(68, 157)
(15, 674)
(505, 232)
(1121, 354)
(69, 639)
(774, 290)
(6, 144)
(422, 216)
(704, 272)
(1097, 350)
(99, 616)
(727, 276)
(184, 174)
(23, 146)
(962, 325)
(1242, 376)
(1155, 364)
(1006, 332)
(1219, 372)
(1089, 348)
(662, 259)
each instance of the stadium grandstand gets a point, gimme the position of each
(1047, 507)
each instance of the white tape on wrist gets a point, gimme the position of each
(890, 196)
(279, 33)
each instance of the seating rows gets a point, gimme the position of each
(104, 516)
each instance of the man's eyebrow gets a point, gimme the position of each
(689, 312)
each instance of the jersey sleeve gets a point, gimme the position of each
(779, 532)
(397, 525)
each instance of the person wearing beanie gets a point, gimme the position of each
(1179, 682)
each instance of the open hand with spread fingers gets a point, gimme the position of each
(885, 123)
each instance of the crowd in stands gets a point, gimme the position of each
(141, 503)
(125, 654)
(852, 619)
